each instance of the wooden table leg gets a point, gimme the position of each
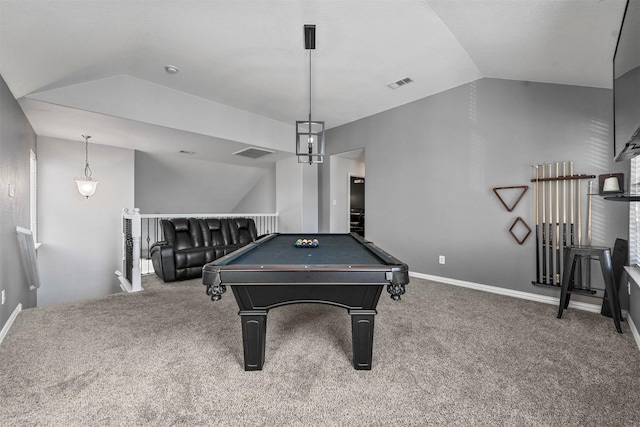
(362, 322)
(254, 333)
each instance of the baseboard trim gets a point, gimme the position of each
(634, 331)
(7, 326)
(594, 308)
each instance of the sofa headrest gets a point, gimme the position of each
(180, 224)
(212, 223)
(215, 231)
(242, 230)
(241, 222)
(186, 233)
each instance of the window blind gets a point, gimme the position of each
(634, 213)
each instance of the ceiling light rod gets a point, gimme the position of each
(87, 185)
(310, 45)
(310, 89)
(309, 133)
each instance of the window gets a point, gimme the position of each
(33, 194)
(634, 214)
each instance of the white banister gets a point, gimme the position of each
(131, 280)
(141, 231)
(136, 234)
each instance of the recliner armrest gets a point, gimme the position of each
(162, 257)
(157, 245)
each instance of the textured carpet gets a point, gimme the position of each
(443, 355)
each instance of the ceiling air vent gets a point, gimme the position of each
(396, 85)
(253, 152)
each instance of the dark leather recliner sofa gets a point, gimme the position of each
(190, 243)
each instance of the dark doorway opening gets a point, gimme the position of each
(356, 204)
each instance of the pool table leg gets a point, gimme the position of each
(254, 332)
(362, 322)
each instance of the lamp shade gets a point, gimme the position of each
(611, 184)
(310, 141)
(86, 186)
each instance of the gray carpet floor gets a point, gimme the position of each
(444, 355)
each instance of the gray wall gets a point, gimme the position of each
(262, 197)
(81, 238)
(431, 166)
(16, 139)
(177, 184)
(297, 196)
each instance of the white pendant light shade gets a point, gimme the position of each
(86, 185)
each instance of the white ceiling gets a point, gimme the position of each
(97, 67)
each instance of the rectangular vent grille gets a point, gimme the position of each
(253, 152)
(397, 84)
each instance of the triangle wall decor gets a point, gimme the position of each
(510, 207)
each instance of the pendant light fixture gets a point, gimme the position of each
(309, 133)
(87, 185)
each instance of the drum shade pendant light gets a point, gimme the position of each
(87, 185)
(309, 133)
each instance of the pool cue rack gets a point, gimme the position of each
(559, 222)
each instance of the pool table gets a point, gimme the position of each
(344, 270)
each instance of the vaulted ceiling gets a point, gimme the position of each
(98, 67)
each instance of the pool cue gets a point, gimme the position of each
(577, 279)
(551, 275)
(537, 232)
(571, 205)
(558, 265)
(579, 213)
(564, 212)
(564, 204)
(587, 273)
(544, 230)
(589, 214)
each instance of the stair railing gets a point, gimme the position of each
(141, 231)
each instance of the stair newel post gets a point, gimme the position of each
(136, 234)
(125, 215)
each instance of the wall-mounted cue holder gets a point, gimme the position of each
(560, 220)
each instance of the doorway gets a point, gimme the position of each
(356, 204)
(342, 167)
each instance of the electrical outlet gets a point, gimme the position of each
(3, 297)
(441, 259)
